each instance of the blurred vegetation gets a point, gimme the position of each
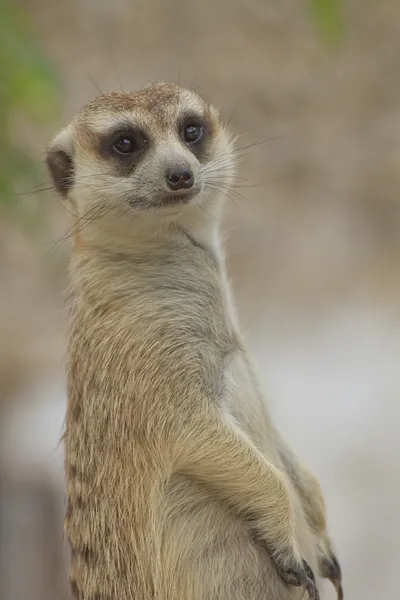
(29, 92)
(328, 16)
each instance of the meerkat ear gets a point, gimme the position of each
(60, 162)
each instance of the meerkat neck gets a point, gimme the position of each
(152, 229)
(133, 263)
(202, 224)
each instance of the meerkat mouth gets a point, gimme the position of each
(172, 199)
(164, 200)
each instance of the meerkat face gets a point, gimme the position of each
(160, 149)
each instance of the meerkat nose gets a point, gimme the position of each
(179, 178)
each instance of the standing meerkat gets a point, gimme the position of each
(179, 485)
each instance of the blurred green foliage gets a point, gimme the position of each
(329, 18)
(29, 91)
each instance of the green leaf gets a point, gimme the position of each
(329, 18)
(28, 86)
(29, 81)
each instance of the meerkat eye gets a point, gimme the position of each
(125, 145)
(192, 132)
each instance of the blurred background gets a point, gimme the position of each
(313, 243)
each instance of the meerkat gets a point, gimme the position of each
(179, 485)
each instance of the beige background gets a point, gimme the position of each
(314, 255)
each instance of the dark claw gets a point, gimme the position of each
(331, 570)
(310, 584)
(312, 590)
(301, 576)
(308, 571)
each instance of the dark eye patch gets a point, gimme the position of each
(127, 145)
(195, 132)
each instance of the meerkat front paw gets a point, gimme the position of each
(329, 566)
(293, 569)
(298, 574)
(278, 537)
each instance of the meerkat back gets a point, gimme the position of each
(179, 486)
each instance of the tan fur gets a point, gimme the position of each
(179, 486)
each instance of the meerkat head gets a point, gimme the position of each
(159, 150)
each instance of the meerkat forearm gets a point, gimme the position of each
(307, 485)
(222, 457)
